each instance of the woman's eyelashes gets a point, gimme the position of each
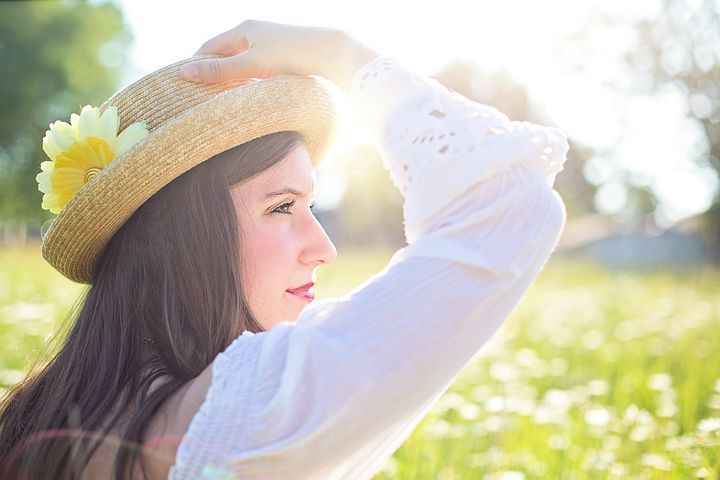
(285, 206)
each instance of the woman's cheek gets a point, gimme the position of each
(272, 249)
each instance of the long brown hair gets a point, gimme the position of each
(171, 274)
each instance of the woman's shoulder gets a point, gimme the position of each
(162, 435)
(171, 422)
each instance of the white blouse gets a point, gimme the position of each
(336, 393)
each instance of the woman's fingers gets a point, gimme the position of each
(227, 43)
(260, 49)
(222, 69)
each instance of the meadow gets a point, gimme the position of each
(595, 375)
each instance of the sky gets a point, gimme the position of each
(647, 135)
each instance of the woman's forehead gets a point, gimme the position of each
(295, 172)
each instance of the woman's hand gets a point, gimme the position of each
(261, 49)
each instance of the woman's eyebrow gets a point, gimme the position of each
(284, 191)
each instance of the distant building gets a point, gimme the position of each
(597, 238)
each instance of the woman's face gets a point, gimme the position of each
(281, 240)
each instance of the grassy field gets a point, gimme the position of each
(595, 375)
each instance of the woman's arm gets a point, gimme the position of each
(349, 55)
(336, 393)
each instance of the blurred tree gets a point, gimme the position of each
(55, 57)
(682, 44)
(677, 48)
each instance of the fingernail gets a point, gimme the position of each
(189, 71)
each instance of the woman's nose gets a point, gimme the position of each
(319, 248)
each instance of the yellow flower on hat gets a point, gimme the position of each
(79, 150)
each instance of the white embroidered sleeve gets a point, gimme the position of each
(333, 395)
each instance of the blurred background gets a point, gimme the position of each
(609, 366)
(634, 85)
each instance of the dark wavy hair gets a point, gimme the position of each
(171, 274)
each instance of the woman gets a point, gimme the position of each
(199, 345)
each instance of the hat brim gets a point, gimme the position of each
(86, 223)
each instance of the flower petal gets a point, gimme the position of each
(43, 179)
(59, 138)
(103, 154)
(130, 136)
(50, 202)
(84, 155)
(67, 180)
(75, 122)
(89, 122)
(62, 199)
(64, 135)
(50, 147)
(47, 166)
(109, 124)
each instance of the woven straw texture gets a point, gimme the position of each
(188, 123)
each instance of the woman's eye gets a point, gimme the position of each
(285, 206)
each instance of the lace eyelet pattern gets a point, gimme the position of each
(451, 143)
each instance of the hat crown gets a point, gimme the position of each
(162, 95)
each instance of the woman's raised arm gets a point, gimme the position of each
(333, 395)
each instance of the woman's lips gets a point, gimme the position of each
(303, 292)
(307, 295)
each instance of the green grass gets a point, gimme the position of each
(595, 375)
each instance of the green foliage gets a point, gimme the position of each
(55, 57)
(595, 374)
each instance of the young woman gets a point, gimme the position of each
(198, 351)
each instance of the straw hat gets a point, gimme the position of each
(187, 123)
